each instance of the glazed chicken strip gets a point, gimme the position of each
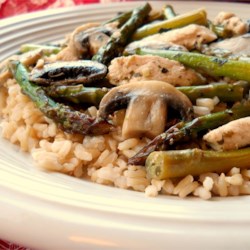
(191, 37)
(139, 68)
(230, 136)
(231, 23)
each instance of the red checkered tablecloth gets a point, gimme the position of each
(5, 245)
(15, 7)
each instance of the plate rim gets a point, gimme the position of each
(6, 188)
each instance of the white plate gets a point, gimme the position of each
(53, 211)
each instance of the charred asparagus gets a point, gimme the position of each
(183, 131)
(224, 91)
(197, 16)
(69, 120)
(121, 19)
(211, 65)
(47, 49)
(179, 163)
(120, 38)
(77, 93)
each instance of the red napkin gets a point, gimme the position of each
(4, 245)
(15, 7)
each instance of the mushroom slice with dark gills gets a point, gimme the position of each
(147, 103)
(90, 40)
(86, 40)
(82, 71)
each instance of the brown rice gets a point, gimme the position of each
(101, 159)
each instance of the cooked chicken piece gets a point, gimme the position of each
(232, 135)
(231, 22)
(131, 48)
(125, 69)
(4, 71)
(239, 45)
(27, 59)
(191, 37)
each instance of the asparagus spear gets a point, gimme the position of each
(197, 16)
(47, 49)
(69, 120)
(224, 91)
(214, 66)
(91, 95)
(184, 131)
(120, 38)
(220, 30)
(121, 19)
(168, 12)
(179, 163)
(77, 93)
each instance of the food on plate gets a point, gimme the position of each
(121, 37)
(193, 17)
(190, 36)
(180, 163)
(229, 136)
(231, 22)
(70, 120)
(151, 100)
(127, 68)
(82, 71)
(147, 103)
(213, 66)
(187, 130)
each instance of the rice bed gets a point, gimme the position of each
(101, 159)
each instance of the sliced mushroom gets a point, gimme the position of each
(93, 39)
(82, 71)
(147, 103)
(148, 121)
(85, 41)
(73, 51)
